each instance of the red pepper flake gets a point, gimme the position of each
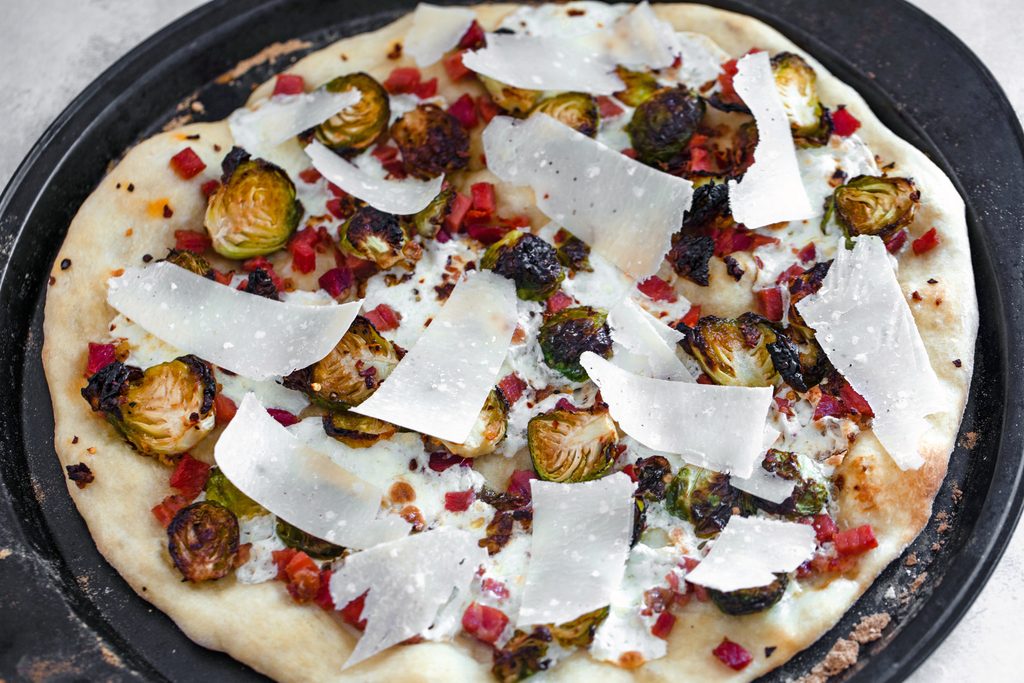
(402, 80)
(630, 471)
(464, 110)
(458, 501)
(487, 108)
(189, 476)
(302, 247)
(926, 242)
(442, 460)
(844, 124)
(309, 175)
(808, 253)
(855, 541)
(473, 38)
(769, 303)
(692, 316)
(733, 655)
(187, 164)
(283, 416)
(336, 281)
(209, 187)
(454, 67)
(384, 318)
(607, 107)
(657, 289)
(512, 388)
(352, 612)
(426, 89)
(165, 510)
(457, 212)
(323, 597)
(483, 622)
(190, 240)
(100, 356)
(663, 626)
(289, 84)
(559, 301)
(896, 242)
(224, 409)
(483, 197)
(519, 484)
(495, 588)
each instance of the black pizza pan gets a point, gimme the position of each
(66, 615)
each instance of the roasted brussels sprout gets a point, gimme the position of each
(254, 211)
(294, 537)
(706, 499)
(351, 372)
(572, 446)
(810, 494)
(357, 127)
(488, 430)
(431, 218)
(357, 431)
(575, 109)
(219, 489)
(797, 85)
(572, 252)
(662, 126)
(580, 631)
(165, 410)
(516, 101)
(432, 142)
(734, 352)
(193, 263)
(640, 86)
(529, 261)
(565, 335)
(202, 540)
(870, 205)
(750, 600)
(372, 235)
(653, 475)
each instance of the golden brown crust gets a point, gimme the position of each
(260, 625)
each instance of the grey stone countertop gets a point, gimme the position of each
(84, 38)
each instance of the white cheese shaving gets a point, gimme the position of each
(750, 550)
(580, 543)
(761, 482)
(247, 334)
(435, 30)
(402, 197)
(285, 116)
(409, 581)
(771, 190)
(303, 486)
(701, 58)
(623, 209)
(563, 19)
(645, 345)
(717, 427)
(865, 326)
(442, 383)
(638, 39)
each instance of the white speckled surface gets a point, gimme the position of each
(83, 38)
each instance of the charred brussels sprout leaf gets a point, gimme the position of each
(254, 211)
(750, 600)
(527, 260)
(524, 655)
(294, 537)
(488, 430)
(373, 235)
(572, 446)
(202, 540)
(640, 86)
(734, 352)
(260, 283)
(573, 253)
(565, 335)
(800, 362)
(432, 142)
(580, 631)
(357, 431)
(639, 520)
(106, 388)
(653, 475)
(357, 127)
(796, 83)
(219, 489)
(574, 109)
(662, 126)
(516, 101)
(193, 263)
(869, 205)
(704, 498)
(709, 208)
(431, 218)
(690, 257)
(810, 494)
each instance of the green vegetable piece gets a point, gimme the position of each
(810, 494)
(529, 261)
(640, 86)
(662, 126)
(193, 263)
(432, 142)
(750, 600)
(574, 109)
(202, 540)
(488, 430)
(515, 101)
(294, 537)
(870, 205)
(430, 219)
(796, 83)
(565, 335)
(572, 446)
(705, 498)
(356, 128)
(357, 431)
(734, 352)
(219, 489)
(373, 235)
(572, 252)
(525, 654)
(580, 631)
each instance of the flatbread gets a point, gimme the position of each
(260, 624)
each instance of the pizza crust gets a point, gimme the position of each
(260, 624)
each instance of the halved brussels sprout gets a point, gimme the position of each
(575, 109)
(219, 489)
(662, 126)
(357, 127)
(706, 499)
(294, 537)
(750, 600)
(734, 352)
(580, 631)
(640, 86)
(517, 101)
(193, 263)
(351, 372)
(572, 252)
(797, 85)
(357, 431)
(653, 475)
(488, 430)
(870, 205)
(254, 211)
(525, 654)
(202, 540)
(572, 446)
(432, 142)
(529, 261)
(565, 335)
(431, 218)
(810, 494)
(373, 235)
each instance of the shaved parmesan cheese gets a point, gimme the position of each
(637, 39)
(442, 383)
(623, 209)
(646, 345)
(563, 19)
(761, 482)
(771, 190)
(408, 581)
(865, 326)
(750, 550)
(247, 334)
(701, 59)
(435, 30)
(268, 464)
(712, 426)
(284, 117)
(402, 197)
(581, 536)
